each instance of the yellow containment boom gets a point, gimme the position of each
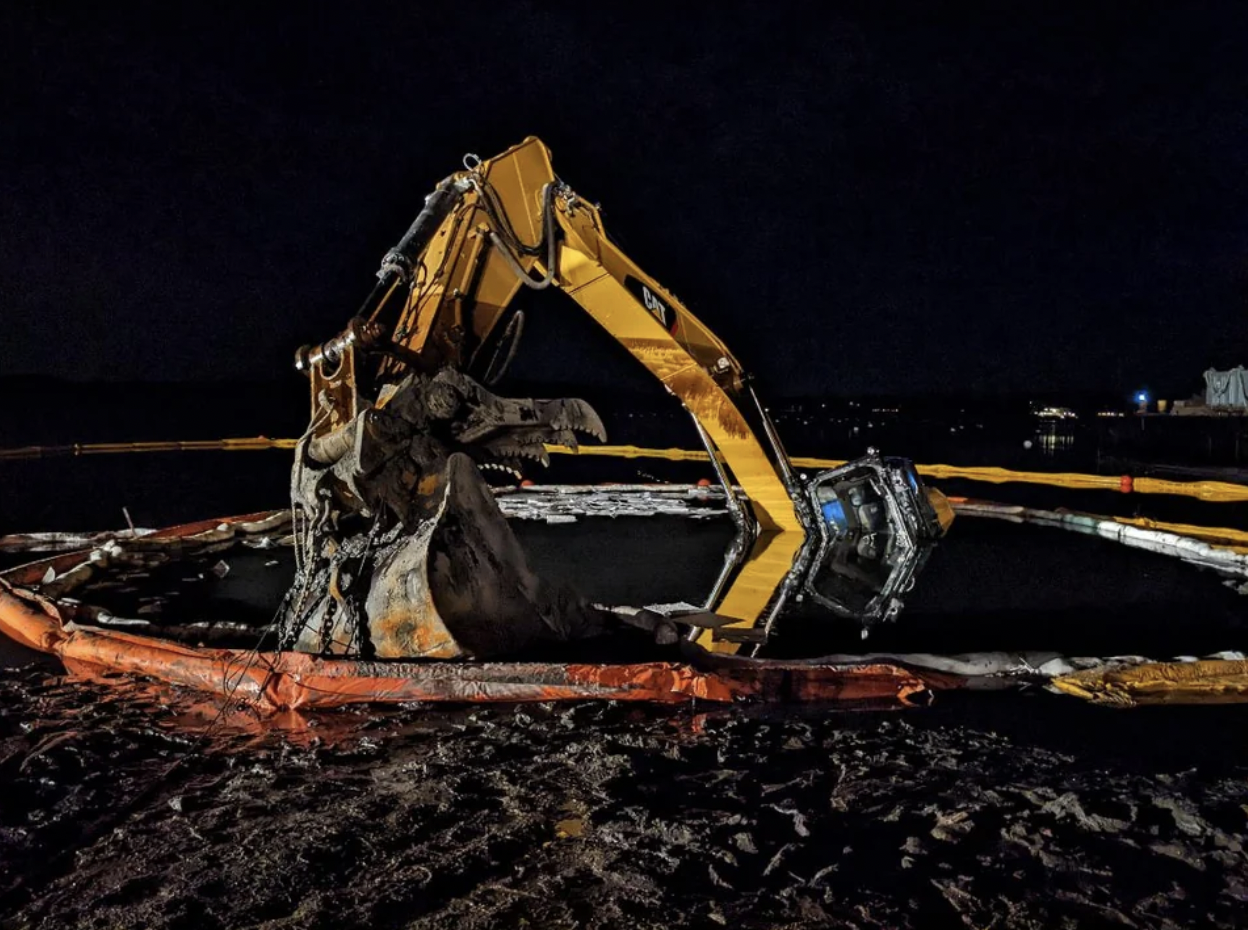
(1212, 491)
(1203, 682)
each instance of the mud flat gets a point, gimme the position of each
(1014, 812)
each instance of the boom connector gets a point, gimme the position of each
(332, 369)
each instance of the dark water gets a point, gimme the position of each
(988, 585)
(161, 489)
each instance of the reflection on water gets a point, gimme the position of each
(1055, 437)
(875, 524)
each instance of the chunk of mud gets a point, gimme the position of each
(745, 843)
(1181, 853)
(952, 826)
(1185, 818)
(1067, 806)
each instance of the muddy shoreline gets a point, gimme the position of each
(984, 811)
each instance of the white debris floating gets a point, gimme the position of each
(561, 503)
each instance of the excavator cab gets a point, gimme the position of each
(876, 524)
(870, 526)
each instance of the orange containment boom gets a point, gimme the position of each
(295, 680)
(298, 681)
(274, 681)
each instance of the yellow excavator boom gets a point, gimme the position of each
(514, 223)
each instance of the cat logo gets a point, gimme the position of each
(651, 301)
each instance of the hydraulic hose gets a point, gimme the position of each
(548, 234)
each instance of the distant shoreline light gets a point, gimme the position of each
(1056, 413)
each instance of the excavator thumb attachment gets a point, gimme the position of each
(404, 551)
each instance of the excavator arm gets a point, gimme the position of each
(444, 300)
(508, 223)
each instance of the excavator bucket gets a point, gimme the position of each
(404, 551)
(457, 587)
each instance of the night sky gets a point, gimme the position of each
(857, 197)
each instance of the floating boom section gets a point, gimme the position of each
(508, 223)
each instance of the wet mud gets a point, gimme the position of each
(132, 806)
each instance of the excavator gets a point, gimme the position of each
(402, 550)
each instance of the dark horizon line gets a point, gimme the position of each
(9, 381)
